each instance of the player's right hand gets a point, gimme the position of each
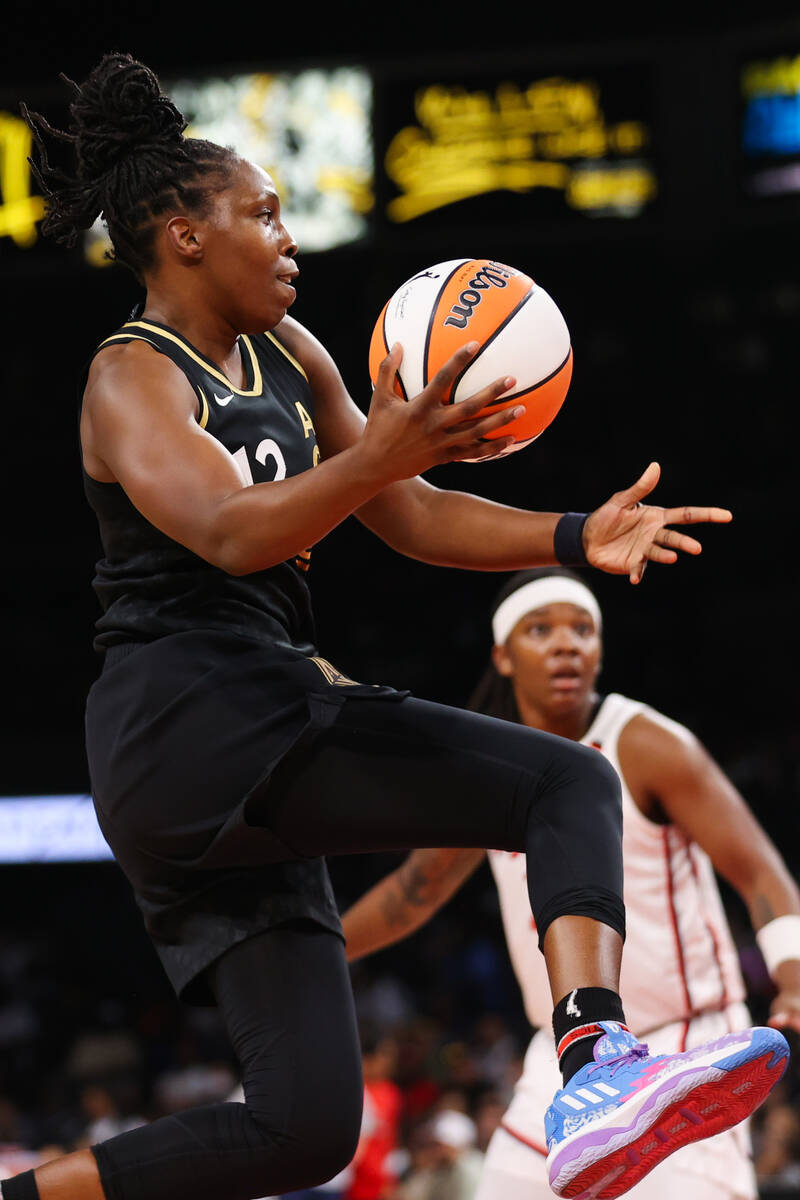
(407, 438)
(623, 535)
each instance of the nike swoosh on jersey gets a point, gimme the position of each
(223, 400)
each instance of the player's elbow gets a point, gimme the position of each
(238, 546)
(237, 559)
(234, 565)
(236, 555)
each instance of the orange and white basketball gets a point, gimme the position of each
(520, 329)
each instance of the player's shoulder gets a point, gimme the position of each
(113, 356)
(124, 369)
(650, 736)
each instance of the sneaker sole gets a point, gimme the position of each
(668, 1123)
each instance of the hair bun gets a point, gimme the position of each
(120, 108)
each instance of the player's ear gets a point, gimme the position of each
(502, 661)
(184, 238)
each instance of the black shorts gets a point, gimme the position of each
(182, 736)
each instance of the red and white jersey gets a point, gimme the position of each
(679, 956)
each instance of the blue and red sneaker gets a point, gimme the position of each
(619, 1116)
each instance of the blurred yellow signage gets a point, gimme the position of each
(19, 208)
(550, 134)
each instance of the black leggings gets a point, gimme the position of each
(384, 776)
(421, 774)
(286, 1001)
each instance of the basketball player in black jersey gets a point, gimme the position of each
(226, 758)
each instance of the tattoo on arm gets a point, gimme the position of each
(413, 882)
(407, 892)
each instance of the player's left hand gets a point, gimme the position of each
(623, 535)
(785, 1011)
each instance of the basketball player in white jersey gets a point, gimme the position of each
(682, 819)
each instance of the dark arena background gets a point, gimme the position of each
(647, 173)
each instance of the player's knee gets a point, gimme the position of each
(334, 1151)
(310, 1145)
(321, 1152)
(604, 782)
(578, 777)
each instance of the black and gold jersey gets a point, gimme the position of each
(149, 585)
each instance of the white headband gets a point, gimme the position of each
(552, 589)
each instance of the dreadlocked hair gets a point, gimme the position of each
(494, 693)
(132, 162)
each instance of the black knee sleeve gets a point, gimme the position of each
(574, 840)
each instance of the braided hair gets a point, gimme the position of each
(494, 693)
(132, 162)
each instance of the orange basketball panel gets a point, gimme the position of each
(472, 305)
(541, 405)
(377, 346)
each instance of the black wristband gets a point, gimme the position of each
(568, 540)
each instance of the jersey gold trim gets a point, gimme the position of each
(255, 390)
(283, 350)
(126, 337)
(332, 674)
(137, 337)
(204, 413)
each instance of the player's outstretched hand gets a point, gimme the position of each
(623, 535)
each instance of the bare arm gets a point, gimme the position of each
(139, 428)
(454, 529)
(407, 898)
(457, 529)
(671, 769)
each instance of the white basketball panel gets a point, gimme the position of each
(530, 347)
(407, 319)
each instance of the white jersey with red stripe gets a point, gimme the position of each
(680, 986)
(679, 957)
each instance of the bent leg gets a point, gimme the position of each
(286, 1001)
(412, 774)
(416, 774)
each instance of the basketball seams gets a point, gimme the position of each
(529, 347)
(436, 311)
(398, 377)
(407, 317)
(455, 321)
(549, 394)
(509, 317)
(431, 319)
(533, 387)
(499, 329)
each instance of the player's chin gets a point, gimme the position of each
(267, 317)
(283, 299)
(563, 703)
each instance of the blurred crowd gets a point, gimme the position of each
(443, 1037)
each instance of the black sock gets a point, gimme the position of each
(578, 1014)
(20, 1187)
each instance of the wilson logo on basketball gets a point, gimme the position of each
(518, 328)
(492, 275)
